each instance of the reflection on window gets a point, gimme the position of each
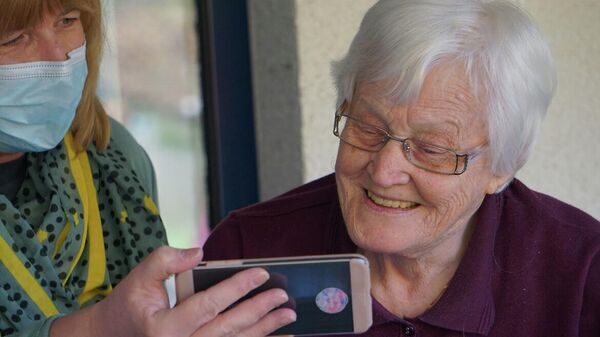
(150, 83)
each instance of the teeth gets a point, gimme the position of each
(391, 203)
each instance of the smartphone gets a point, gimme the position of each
(331, 294)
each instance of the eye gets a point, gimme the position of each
(432, 149)
(69, 19)
(12, 40)
(429, 153)
(369, 136)
(370, 130)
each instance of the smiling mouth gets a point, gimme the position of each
(391, 203)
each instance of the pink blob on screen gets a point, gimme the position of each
(331, 300)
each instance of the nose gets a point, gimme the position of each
(390, 165)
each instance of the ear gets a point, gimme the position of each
(497, 182)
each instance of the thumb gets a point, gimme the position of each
(166, 261)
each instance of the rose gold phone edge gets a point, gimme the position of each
(359, 279)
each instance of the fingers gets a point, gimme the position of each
(165, 261)
(204, 306)
(265, 326)
(273, 321)
(141, 296)
(251, 317)
(202, 312)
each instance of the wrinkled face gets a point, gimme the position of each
(56, 35)
(393, 207)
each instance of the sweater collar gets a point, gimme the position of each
(468, 303)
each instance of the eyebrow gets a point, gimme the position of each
(67, 10)
(448, 130)
(438, 128)
(372, 108)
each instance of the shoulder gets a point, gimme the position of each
(544, 262)
(303, 221)
(122, 140)
(541, 208)
(560, 238)
(307, 197)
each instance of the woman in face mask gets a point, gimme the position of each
(82, 245)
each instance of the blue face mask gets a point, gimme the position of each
(38, 101)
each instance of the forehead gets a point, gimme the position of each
(446, 103)
(19, 14)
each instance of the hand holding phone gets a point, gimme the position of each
(330, 293)
(138, 305)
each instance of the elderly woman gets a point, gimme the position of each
(439, 103)
(77, 200)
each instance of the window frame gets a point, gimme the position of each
(228, 114)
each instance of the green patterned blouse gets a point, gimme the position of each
(77, 225)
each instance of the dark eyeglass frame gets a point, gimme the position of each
(464, 157)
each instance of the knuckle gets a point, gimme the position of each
(208, 306)
(258, 310)
(229, 331)
(260, 305)
(238, 285)
(162, 254)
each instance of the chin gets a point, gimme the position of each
(381, 236)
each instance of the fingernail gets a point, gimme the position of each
(280, 297)
(290, 317)
(191, 253)
(260, 277)
(283, 296)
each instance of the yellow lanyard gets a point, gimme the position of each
(92, 235)
(80, 167)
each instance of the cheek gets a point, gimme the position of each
(81, 37)
(453, 203)
(350, 167)
(350, 162)
(76, 37)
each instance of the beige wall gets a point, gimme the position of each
(294, 42)
(566, 161)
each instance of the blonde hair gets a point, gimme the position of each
(91, 123)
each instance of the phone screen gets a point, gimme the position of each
(320, 293)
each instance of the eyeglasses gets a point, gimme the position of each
(429, 157)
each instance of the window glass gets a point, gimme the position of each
(150, 82)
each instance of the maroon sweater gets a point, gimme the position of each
(532, 267)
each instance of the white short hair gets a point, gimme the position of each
(505, 55)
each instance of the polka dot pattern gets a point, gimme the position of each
(44, 227)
